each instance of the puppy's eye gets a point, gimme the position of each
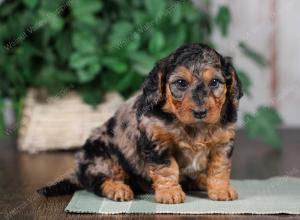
(181, 84)
(214, 84)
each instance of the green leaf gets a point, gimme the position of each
(143, 63)
(155, 7)
(89, 20)
(246, 82)
(223, 19)
(255, 56)
(56, 23)
(121, 33)
(133, 44)
(85, 7)
(86, 76)
(84, 41)
(189, 11)
(79, 60)
(263, 124)
(157, 42)
(114, 64)
(30, 3)
(139, 17)
(87, 66)
(176, 15)
(84, 11)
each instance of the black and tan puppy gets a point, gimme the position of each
(178, 133)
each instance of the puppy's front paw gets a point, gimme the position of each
(172, 195)
(223, 194)
(117, 191)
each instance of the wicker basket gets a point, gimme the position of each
(61, 122)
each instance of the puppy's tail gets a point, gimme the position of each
(64, 187)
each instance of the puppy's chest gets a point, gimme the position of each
(192, 150)
(192, 155)
(191, 162)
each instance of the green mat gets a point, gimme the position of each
(271, 196)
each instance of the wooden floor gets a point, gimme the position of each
(21, 174)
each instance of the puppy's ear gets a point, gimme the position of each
(153, 85)
(234, 91)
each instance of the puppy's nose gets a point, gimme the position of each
(200, 113)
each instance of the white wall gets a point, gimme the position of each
(252, 23)
(289, 60)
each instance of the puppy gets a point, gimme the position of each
(177, 134)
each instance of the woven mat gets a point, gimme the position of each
(271, 196)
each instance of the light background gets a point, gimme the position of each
(271, 27)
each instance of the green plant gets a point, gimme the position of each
(96, 46)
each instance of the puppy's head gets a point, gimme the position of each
(196, 84)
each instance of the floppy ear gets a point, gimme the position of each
(234, 91)
(153, 85)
